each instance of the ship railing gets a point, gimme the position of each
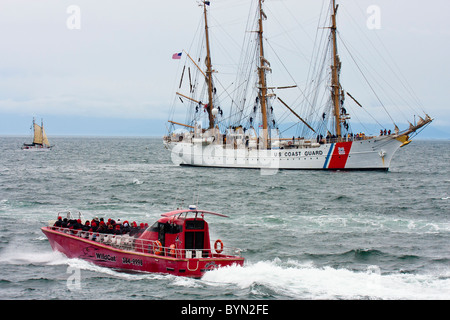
(153, 246)
(134, 244)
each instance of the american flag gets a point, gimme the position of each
(176, 56)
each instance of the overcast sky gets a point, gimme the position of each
(117, 67)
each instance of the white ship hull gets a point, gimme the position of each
(369, 154)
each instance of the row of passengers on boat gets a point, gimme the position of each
(352, 137)
(332, 137)
(99, 226)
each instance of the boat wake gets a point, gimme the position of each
(13, 256)
(269, 279)
(125, 275)
(297, 280)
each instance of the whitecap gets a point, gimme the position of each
(186, 282)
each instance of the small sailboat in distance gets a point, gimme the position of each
(40, 140)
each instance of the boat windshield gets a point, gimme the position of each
(166, 227)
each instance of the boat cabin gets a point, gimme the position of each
(181, 233)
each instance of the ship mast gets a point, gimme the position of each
(42, 130)
(34, 131)
(336, 68)
(262, 78)
(209, 70)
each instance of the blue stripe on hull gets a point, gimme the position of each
(327, 159)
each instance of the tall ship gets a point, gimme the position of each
(245, 133)
(40, 140)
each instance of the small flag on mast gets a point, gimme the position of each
(176, 55)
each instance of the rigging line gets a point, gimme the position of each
(374, 48)
(404, 82)
(315, 71)
(286, 33)
(355, 114)
(233, 115)
(387, 95)
(298, 23)
(224, 90)
(224, 50)
(322, 34)
(315, 53)
(396, 92)
(281, 132)
(414, 98)
(415, 133)
(320, 78)
(244, 95)
(367, 81)
(245, 69)
(229, 96)
(371, 117)
(196, 34)
(224, 31)
(285, 68)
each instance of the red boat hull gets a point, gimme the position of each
(108, 256)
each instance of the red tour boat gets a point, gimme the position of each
(178, 243)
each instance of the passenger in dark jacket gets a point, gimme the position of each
(87, 226)
(58, 222)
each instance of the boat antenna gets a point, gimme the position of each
(193, 198)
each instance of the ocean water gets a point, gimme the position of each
(304, 234)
